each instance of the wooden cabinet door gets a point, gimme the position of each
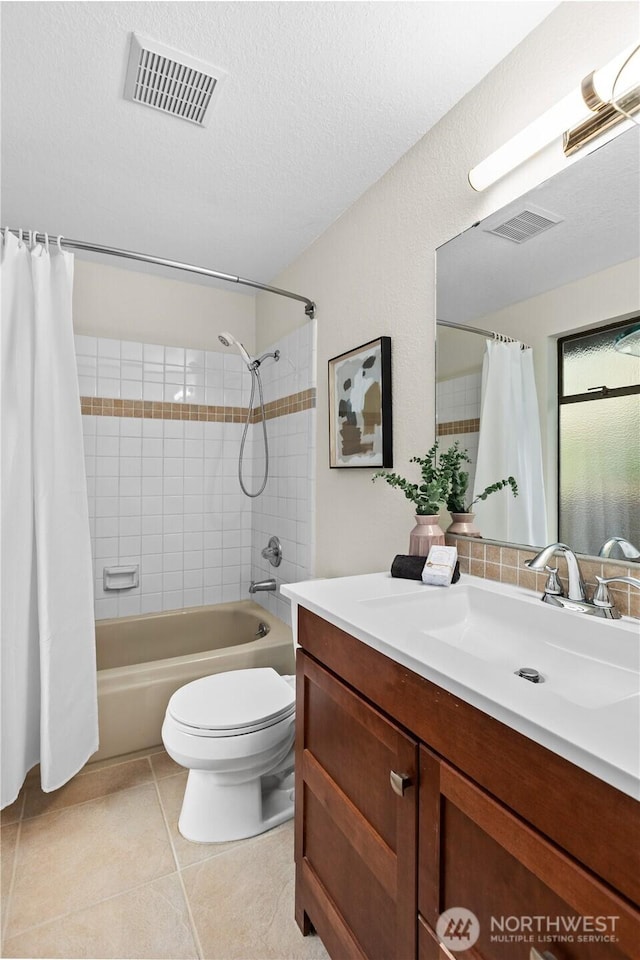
(356, 837)
(428, 946)
(525, 892)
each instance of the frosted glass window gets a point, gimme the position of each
(600, 472)
(591, 361)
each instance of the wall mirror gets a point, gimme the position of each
(558, 272)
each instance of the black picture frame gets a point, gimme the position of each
(360, 410)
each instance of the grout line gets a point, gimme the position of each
(83, 803)
(94, 903)
(89, 906)
(194, 930)
(14, 870)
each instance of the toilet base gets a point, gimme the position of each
(215, 813)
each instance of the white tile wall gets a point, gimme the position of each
(137, 371)
(286, 508)
(459, 398)
(164, 493)
(295, 370)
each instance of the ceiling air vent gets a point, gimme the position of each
(525, 225)
(168, 80)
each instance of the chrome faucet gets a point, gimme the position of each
(576, 583)
(628, 551)
(257, 586)
(600, 606)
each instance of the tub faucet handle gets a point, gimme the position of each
(273, 552)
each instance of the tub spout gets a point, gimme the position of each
(257, 586)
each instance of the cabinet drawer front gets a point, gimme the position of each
(356, 836)
(358, 748)
(525, 892)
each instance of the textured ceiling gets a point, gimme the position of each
(598, 198)
(320, 100)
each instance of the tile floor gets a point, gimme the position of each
(98, 869)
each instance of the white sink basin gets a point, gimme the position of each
(591, 665)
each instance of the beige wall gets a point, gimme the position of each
(129, 305)
(459, 353)
(373, 271)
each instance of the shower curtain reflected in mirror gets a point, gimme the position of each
(49, 703)
(510, 445)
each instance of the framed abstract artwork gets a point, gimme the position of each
(360, 406)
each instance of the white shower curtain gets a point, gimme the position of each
(510, 445)
(49, 699)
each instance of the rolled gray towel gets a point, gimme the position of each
(410, 568)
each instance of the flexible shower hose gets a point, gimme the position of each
(255, 375)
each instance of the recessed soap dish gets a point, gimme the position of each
(120, 578)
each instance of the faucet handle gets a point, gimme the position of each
(602, 597)
(553, 585)
(273, 552)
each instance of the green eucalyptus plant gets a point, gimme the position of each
(443, 481)
(429, 495)
(451, 462)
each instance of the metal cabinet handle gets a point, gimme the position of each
(399, 782)
(534, 955)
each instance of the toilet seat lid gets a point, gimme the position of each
(240, 700)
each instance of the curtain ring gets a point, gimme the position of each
(46, 242)
(58, 241)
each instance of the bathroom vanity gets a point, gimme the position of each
(412, 798)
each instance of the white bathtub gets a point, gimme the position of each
(142, 660)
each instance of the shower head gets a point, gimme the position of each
(229, 340)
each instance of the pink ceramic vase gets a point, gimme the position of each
(462, 525)
(425, 534)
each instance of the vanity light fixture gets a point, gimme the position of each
(612, 94)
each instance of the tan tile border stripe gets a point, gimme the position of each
(156, 410)
(458, 426)
(293, 403)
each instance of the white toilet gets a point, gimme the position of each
(234, 732)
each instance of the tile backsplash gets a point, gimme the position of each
(162, 432)
(506, 565)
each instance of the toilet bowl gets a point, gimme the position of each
(234, 732)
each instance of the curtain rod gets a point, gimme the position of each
(309, 309)
(490, 334)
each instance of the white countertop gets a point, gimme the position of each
(600, 737)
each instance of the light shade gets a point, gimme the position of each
(622, 71)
